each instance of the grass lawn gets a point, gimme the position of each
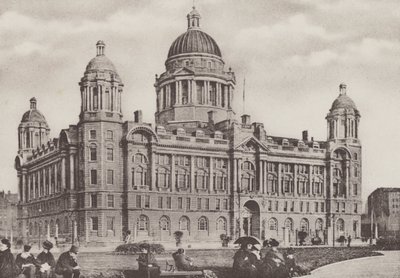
(219, 261)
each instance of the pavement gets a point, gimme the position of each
(386, 266)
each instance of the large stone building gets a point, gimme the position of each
(8, 214)
(198, 170)
(383, 213)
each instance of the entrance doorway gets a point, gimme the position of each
(251, 219)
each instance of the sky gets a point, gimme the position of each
(293, 55)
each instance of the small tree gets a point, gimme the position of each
(225, 240)
(178, 237)
(302, 237)
(316, 240)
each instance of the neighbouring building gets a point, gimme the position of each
(199, 169)
(383, 213)
(8, 215)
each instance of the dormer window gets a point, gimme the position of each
(285, 142)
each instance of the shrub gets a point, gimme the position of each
(133, 248)
(316, 240)
(388, 243)
(341, 239)
(178, 237)
(225, 239)
(302, 237)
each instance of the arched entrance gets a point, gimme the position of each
(251, 219)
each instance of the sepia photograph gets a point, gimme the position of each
(199, 138)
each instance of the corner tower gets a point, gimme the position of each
(195, 81)
(101, 89)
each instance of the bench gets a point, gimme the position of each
(196, 273)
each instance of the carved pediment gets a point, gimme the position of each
(251, 144)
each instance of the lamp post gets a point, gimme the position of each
(40, 232)
(333, 229)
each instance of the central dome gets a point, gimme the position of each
(194, 41)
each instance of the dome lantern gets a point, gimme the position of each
(100, 46)
(33, 103)
(193, 19)
(342, 88)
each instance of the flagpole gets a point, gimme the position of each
(244, 95)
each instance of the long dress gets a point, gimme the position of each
(8, 268)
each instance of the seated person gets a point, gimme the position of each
(182, 262)
(294, 269)
(147, 262)
(46, 260)
(27, 263)
(67, 264)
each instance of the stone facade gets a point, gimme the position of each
(199, 170)
(383, 214)
(8, 215)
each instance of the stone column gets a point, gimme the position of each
(211, 183)
(347, 179)
(194, 92)
(63, 176)
(48, 231)
(278, 192)
(33, 186)
(260, 176)
(239, 174)
(153, 170)
(172, 173)
(56, 231)
(234, 175)
(228, 178)
(311, 190)
(72, 152)
(296, 189)
(192, 178)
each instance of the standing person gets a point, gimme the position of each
(26, 262)
(348, 240)
(46, 260)
(8, 268)
(242, 266)
(128, 237)
(67, 264)
(182, 262)
(148, 266)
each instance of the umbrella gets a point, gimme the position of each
(247, 240)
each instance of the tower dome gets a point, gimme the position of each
(343, 101)
(33, 115)
(100, 62)
(194, 40)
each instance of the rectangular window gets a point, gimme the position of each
(199, 203)
(218, 204)
(110, 201)
(322, 207)
(207, 204)
(95, 223)
(147, 201)
(110, 223)
(225, 204)
(316, 206)
(93, 200)
(92, 134)
(337, 207)
(308, 206)
(343, 207)
(110, 176)
(93, 153)
(355, 190)
(301, 206)
(110, 135)
(180, 203)
(292, 207)
(138, 201)
(269, 205)
(187, 203)
(285, 206)
(160, 202)
(93, 176)
(169, 203)
(276, 205)
(110, 154)
(355, 208)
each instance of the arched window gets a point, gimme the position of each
(340, 225)
(139, 176)
(184, 224)
(201, 180)
(203, 224)
(273, 224)
(319, 224)
(143, 223)
(139, 158)
(248, 176)
(66, 225)
(164, 223)
(272, 183)
(220, 181)
(221, 224)
(304, 225)
(289, 224)
(182, 179)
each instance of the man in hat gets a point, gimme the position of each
(148, 266)
(182, 262)
(67, 264)
(46, 260)
(27, 263)
(274, 261)
(8, 268)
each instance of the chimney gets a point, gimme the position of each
(138, 116)
(305, 135)
(245, 119)
(211, 116)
